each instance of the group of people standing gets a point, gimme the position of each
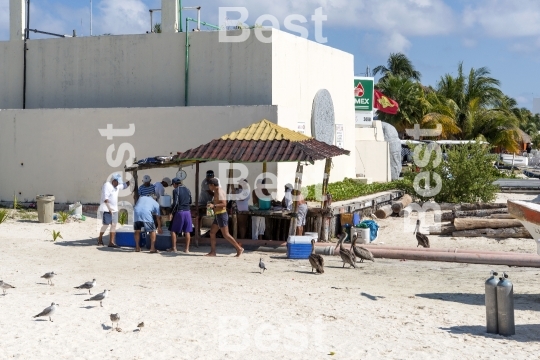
(147, 212)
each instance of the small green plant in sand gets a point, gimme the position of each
(3, 215)
(123, 217)
(55, 234)
(16, 204)
(63, 216)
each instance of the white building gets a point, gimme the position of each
(53, 137)
(536, 106)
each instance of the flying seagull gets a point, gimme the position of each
(99, 297)
(115, 318)
(5, 286)
(87, 285)
(261, 266)
(49, 277)
(49, 311)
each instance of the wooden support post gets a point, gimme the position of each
(324, 231)
(326, 178)
(197, 227)
(136, 186)
(230, 188)
(296, 192)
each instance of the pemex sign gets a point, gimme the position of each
(363, 94)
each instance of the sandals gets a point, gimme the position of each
(113, 246)
(100, 243)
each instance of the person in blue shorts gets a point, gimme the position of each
(143, 217)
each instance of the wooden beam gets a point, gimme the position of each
(197, 227)
(296, 192)
(481, 223)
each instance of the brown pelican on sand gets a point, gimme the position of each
(361, 252)
(316, 260)
(421, 238)
(346, 255)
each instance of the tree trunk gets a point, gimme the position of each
(473, 213)
(482, 206)
(514, 232)
(401, 204)
(384, 212)
(442, 229)
(501, 216)
(481, 223)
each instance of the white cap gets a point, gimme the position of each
(167, 180)
(146, 179)
(289, 186)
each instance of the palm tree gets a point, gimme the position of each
(441, 111)
(398, 65)
(411, 100)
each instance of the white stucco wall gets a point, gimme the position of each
(300, 68)
(11, 74)
(61, 151)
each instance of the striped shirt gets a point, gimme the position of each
(147, 190)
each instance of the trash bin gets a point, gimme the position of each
(45, 208)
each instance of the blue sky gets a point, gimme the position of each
(503, 35)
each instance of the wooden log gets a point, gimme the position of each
(401, 204)
(502, 216)
(384, 211)
(443, 206)
(447, 229)
(481, 223)
(472, 213)
(482, 206)
(514, 232)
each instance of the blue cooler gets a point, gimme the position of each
(125, 237)
(299, 247)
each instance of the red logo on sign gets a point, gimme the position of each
(359, 90)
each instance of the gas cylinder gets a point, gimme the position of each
(505, 306)
(491, 304)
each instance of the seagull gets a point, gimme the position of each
(99, 297)
(115, 318)
(140, 326)
(49, 311)
(5, 286)
(261, 266)
(49, 277)
(87, 285)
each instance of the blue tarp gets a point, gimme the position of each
(373, 228)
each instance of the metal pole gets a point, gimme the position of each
(180, 15)
(199, 18)
(28, 20)
(90, 17)
(151, 22)
(186, 80)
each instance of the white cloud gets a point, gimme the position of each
(122, 17)
(468, 42)
(504, 18)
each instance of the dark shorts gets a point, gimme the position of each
(107, 218)
(222, 220)
(148, 226)
(182, 222)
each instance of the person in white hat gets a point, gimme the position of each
(287, 201)
(147, 188)
(160, 187)
(108, 208)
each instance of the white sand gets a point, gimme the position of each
(201, 308)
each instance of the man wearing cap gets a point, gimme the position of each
(108, 207)
(147, 189)
(143, 217)
(160, 187)
(287, 201)
(221, 220)
(181, 222)
(205, 196)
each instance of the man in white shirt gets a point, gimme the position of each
(108, 207)
(287, 201)
(160, 187)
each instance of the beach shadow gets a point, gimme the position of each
(83, 294)
(41, 320)
(118, 249)
(87, 307)
(43, 284)
(106, 327)
(304, 272)
(521, 301)
(87, 242)
(524, 333)
(372, 297)
(279, 257)
(29, 221)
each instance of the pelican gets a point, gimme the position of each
(361, 252)
(346, 255)
(421, 238)
(316, 260)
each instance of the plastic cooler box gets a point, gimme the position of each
(125, 237)
(299, 247)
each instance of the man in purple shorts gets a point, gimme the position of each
(181, 214)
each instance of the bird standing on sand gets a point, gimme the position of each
(421, 238)
(48, 311)
(316, 260)
(115, 318)
(141, 325)
(261, 265)
(5, 286)
(87, 285)
(99, 297)
(49, 277)
(361, 252)
(346, 255)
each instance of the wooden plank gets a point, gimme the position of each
(449, 216)
(502, 216)
(482, 206)
(481, 223)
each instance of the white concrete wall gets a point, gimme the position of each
(61, 151)
(11, 74)
(17, 11)
(300, 68)
(373, 160)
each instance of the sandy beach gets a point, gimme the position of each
(195, 307)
